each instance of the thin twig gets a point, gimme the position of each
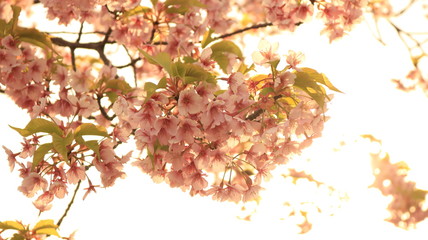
(103, 111)
(262, 25)
(69, 204)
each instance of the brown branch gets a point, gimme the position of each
(69, 204)
(103, 111)
(255, 114)
(262, 25)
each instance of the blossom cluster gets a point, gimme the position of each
(338, 16)
(207, 124)
(407, 205)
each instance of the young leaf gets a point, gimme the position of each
(184, 5)
(220, 51)
(39, 125)
(195, 73)
(40, 153)
(59, 144)
(228, 47)
(90, 129)
(119, 84)
(137, 10)
(33, 36)
(309, 85)
(46, 227)
(94, 146)
(17, 236)
(12, 225)
(321, 78)
(162, 59)
(207, 38)
(150, 89)
(3, 25)
(266, 91)
(13, 23)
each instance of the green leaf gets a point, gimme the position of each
(23, 132)
(17, 236)
(321, 78)
(243, 68)
(69, 138)
(94, 146)
(219, 92)
(307, 83)
(154, 2)
(162, 83)
(40, 153)
(266, 91)
(275, 63)
(3, 25)
(13, 23)
(191, 73)
(112, 96)
(151, 88)
(162, 59)
(39, 125)
(418, 194)
(59, 144)
(46, 227)
(183, 5)
(226, 46)
(137, 10)
(207, 38)
(90, 129)
(36, 38)
(119, 84)
(222, 60)
(188, 59)
(220, 51)
(12, 225)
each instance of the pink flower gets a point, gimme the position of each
(285, 79)
(213, 114)
(61, 76)
(58, 188)
(295, 58)
(199, 182)
(27, 149)
(175, 178)
(81, 80)
(267, 52)
(218, 160)
(252, 194)
(6, 59)
(38, 108)
(33, 183)
(76, 173)
(166, 128)
(120, 106)
(11, 44)
(43, 201)
(189, 102)
(11, 157)
(36, 69)
(188, 130)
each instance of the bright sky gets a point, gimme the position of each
(136, 208)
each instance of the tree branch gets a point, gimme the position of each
(261, 25)
(69, 204)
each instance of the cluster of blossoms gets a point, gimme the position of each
(407, 205)
(207, 126)
(338, 16)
